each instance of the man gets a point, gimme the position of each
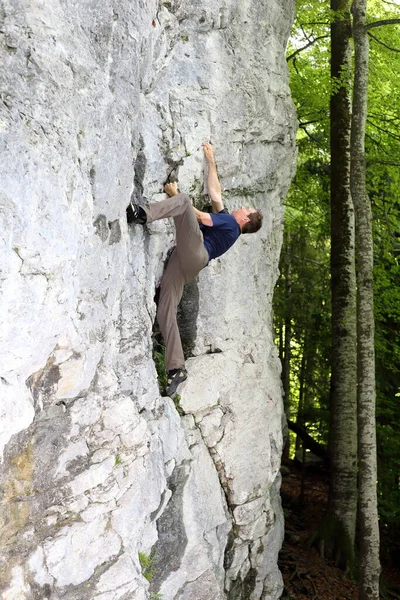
(200, 237)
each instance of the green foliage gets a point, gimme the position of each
(310, 73)
(178, 407)
(307, 227)
(117, 460)
(307, 248)
(302, 295)
(159, 361)
(147, 564)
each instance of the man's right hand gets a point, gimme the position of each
(213, 185)
(208, 152)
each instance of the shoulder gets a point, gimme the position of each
(225, 221)
(222, 217)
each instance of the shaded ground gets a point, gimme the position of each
(306, 574)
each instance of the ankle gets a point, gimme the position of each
(172, 372)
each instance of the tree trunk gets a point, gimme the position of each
(288, 327)
(280, 333)
(343, 433)
(300, 407)
(368, 512)
(287, 338)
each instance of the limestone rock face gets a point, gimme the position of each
(107, 492)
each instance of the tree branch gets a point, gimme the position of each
(389, 133)
(310, 43)
(303, 124)
(308, 441)
(383, 43)
(308, 38)
(295, 67)
(327, 23)
(385, 119)
(383, 22)
(309, 134)
(377, 161)
(379, 144)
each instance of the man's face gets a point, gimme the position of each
(242, 214)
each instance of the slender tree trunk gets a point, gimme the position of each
(288, 323)
(307, 399)
(287, 339)
(368, 512)
(309, 376)
(285, 336)
(288, 328)
(281, 340)
(300, 407)
(343, 434)
(286, 363)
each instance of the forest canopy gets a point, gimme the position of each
(303, 305)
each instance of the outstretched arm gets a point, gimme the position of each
(214, 187)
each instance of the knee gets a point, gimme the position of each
(184, 199)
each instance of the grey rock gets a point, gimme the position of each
(102, 102)
(172, 540)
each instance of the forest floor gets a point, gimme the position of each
(306, 574)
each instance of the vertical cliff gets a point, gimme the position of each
(106, 492)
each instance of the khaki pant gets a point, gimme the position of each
(186, 261)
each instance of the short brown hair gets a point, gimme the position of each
(254, 223)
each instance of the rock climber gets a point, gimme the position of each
(200, 237)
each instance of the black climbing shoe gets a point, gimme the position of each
(136, 214)
(175, 377)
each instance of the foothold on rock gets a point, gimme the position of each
(101, 227)
(115, 232)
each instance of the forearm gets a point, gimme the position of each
(203, 217)
(214, 187)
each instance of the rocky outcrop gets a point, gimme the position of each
(107, 491)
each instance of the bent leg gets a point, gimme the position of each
(170, 207)
(170, 295)
(189, 238)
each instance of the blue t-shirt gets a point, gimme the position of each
(222, 235)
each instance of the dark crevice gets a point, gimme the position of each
(242, 588)
(170, 547)
(43, 384)
(140, 170)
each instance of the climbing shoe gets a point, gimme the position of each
(175, 377)
(136, 214)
